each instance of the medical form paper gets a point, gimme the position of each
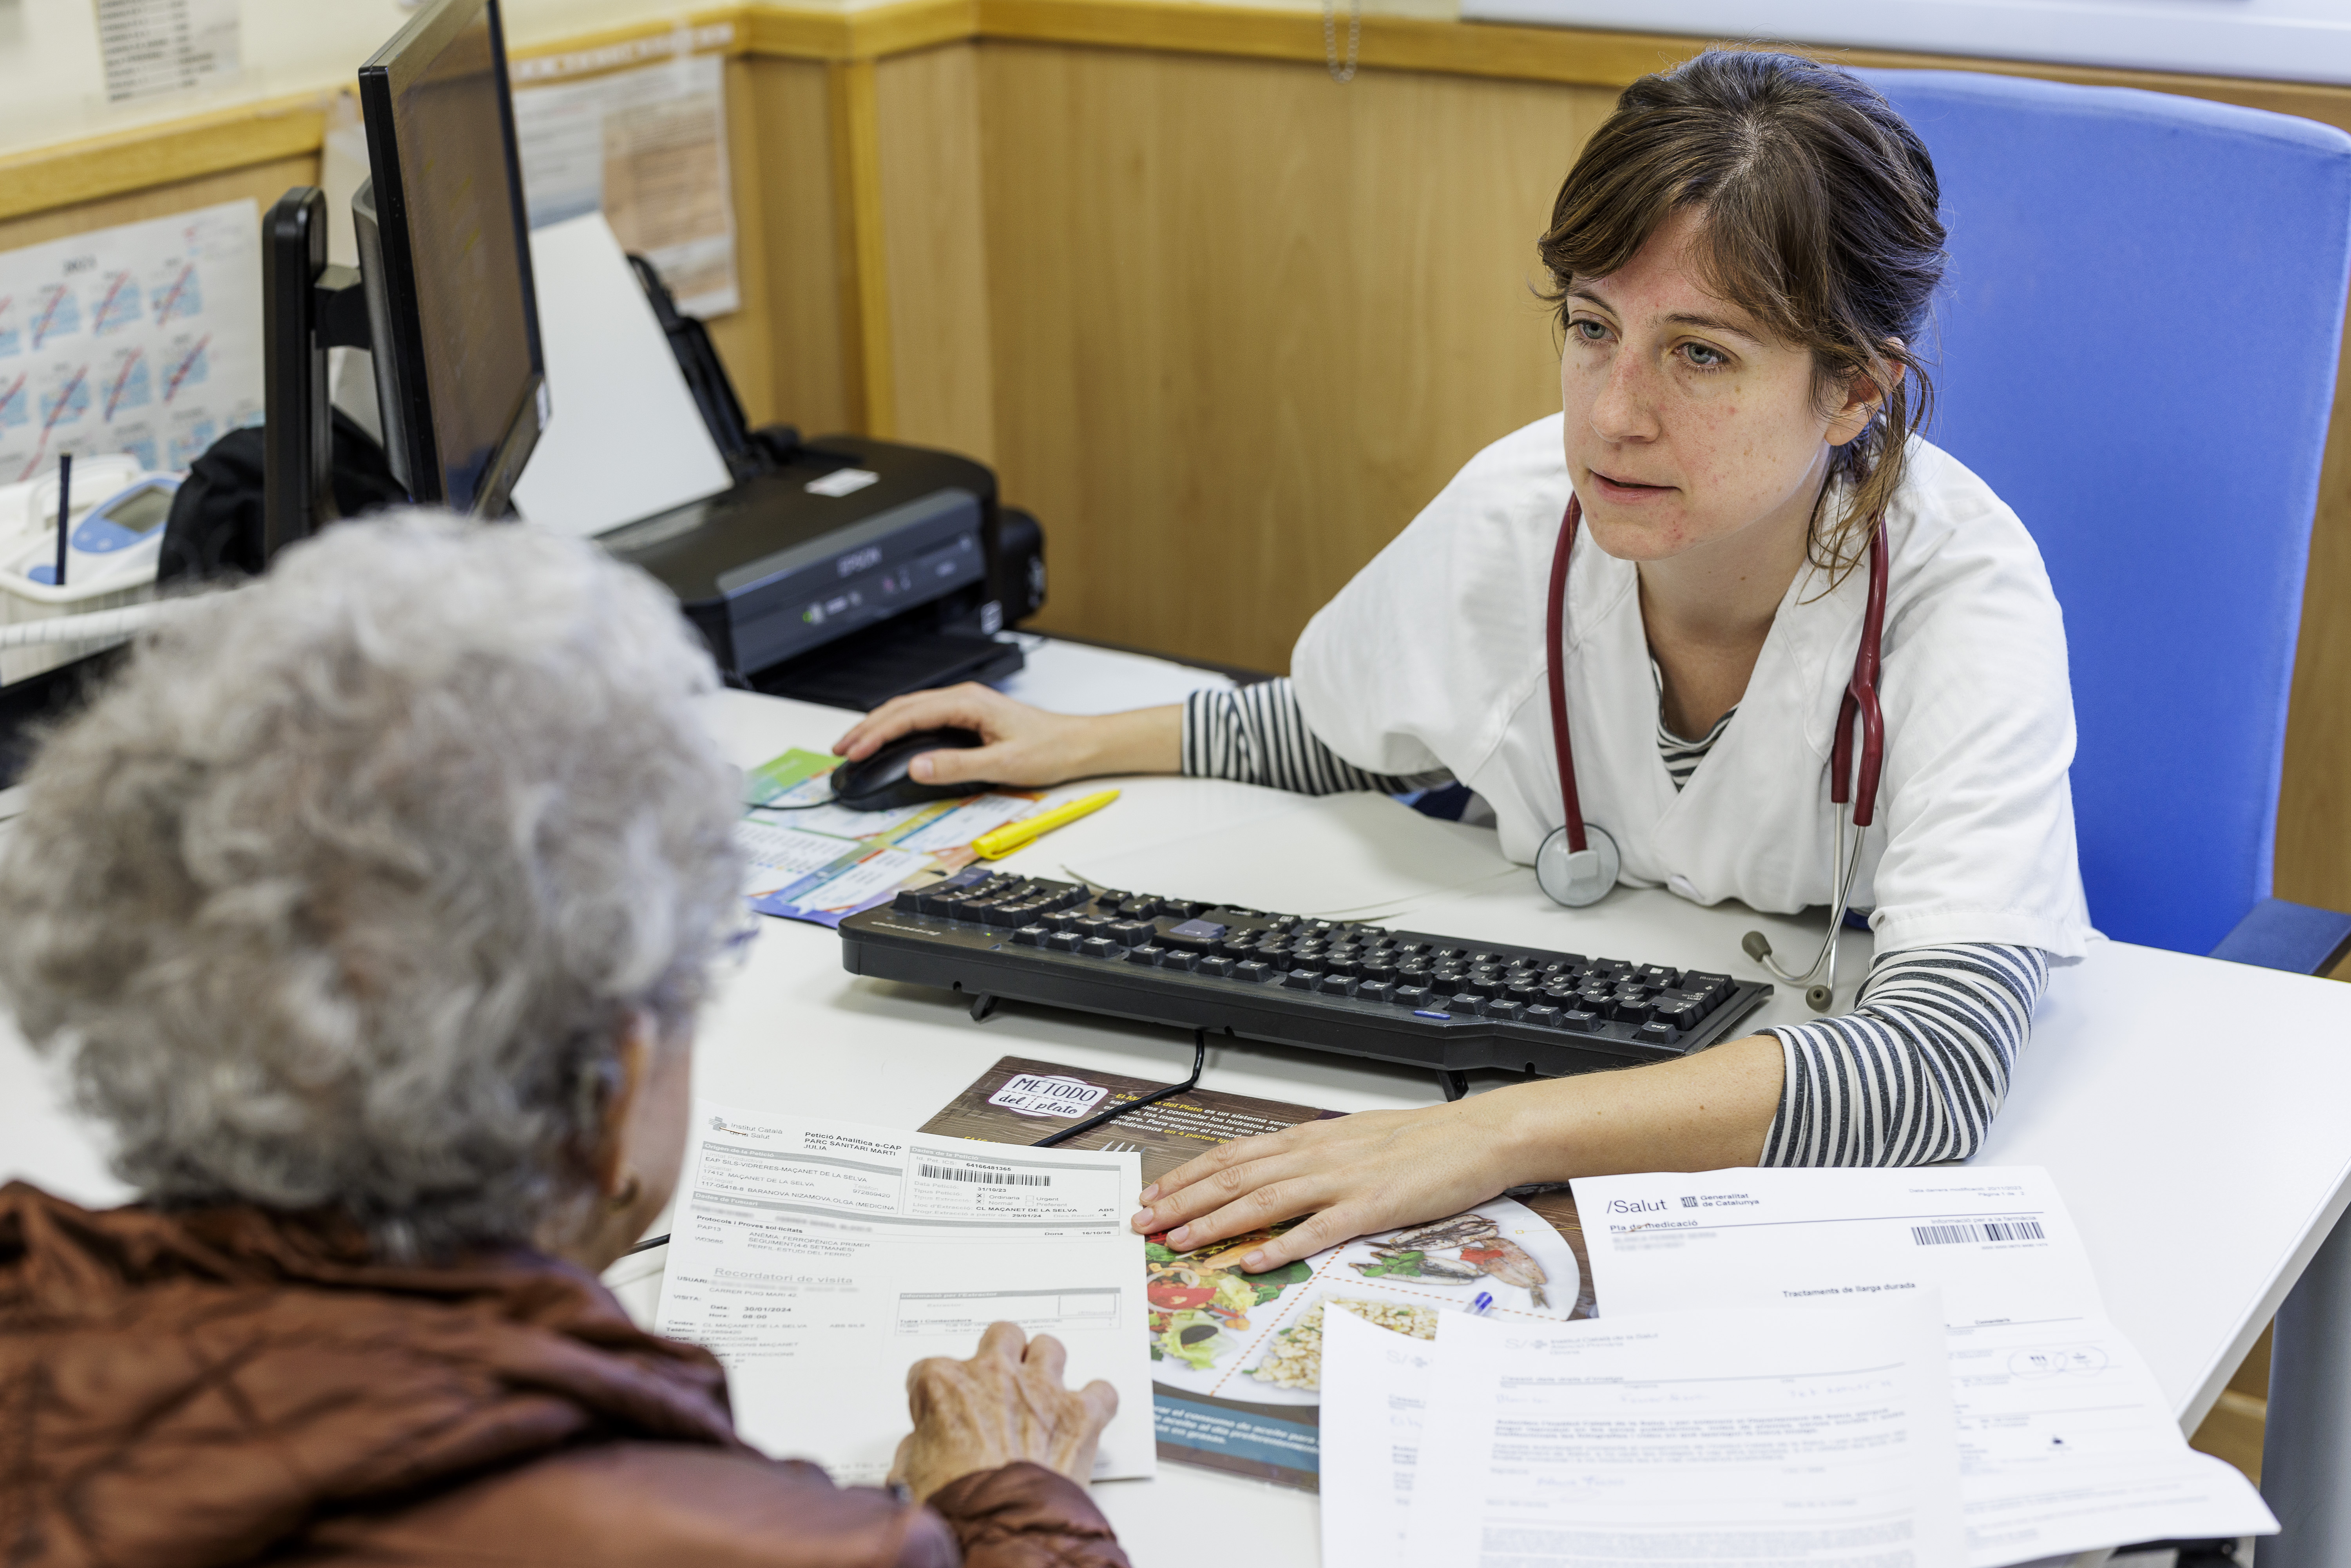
(2067, 1441)
(821, 1260)
(1820, 1436)
(1374, 1397)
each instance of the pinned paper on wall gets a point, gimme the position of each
(154, 47)
(143, 338)
(647, 146)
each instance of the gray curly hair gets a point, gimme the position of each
(341, 896)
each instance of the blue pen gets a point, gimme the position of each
(1483, 1304)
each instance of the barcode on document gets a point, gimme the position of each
(1990, 1231)
(994, 1178)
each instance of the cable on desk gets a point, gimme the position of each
(1199, 1060)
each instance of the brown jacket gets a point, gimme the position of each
(223, 1386)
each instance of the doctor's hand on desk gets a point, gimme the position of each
(1005, 1405)
(1376, 1170)
(1025, 746)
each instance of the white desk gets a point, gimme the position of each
(2202, 1149)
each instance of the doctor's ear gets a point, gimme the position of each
(1865, 395)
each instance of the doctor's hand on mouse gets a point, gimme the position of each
(1375, 1170)
(1024, 746)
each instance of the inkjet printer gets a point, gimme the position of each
(849, 571)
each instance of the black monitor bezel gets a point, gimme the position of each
(413, 445)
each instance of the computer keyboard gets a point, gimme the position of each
(1445, 1003)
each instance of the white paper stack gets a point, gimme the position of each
(1786, 1435)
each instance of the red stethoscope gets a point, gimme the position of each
(1579, 861)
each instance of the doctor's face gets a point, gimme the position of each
(1686, 421)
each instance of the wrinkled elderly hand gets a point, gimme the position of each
(1003, 1404)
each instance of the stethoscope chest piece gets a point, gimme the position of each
(1578, 877)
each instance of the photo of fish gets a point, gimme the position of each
(1457, 1251)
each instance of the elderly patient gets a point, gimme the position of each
(370, 909)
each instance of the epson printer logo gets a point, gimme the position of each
(859, 560)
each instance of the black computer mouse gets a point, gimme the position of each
(880, 783)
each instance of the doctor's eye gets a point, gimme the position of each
(1588, 330)
(1705, 356)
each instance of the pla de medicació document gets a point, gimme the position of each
(821, 1260)
(1820, 1438)
(2067, 1441)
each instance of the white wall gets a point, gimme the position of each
(2289, 41)
(51, 88)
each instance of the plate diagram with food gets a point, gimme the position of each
(1258, 1337)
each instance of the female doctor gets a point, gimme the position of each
(1742, 257)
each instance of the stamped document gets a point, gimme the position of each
(2066, 1442)
(820, 1260)
(1819, 1436)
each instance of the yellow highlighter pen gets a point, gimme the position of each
(1012, 835)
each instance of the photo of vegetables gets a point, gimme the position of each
(1216, 1329)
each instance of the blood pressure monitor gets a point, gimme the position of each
(113, 546)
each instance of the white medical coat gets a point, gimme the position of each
(1433, 658)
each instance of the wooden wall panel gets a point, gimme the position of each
(942, 373)
(745, 338)
(264, 183)
(791, 205)
(1247, 321)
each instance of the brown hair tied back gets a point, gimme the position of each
(1820, 220)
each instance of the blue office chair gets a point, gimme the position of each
(2137, 349)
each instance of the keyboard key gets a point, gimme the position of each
(1008, 914)
(1063, 941)
(1373, 970)
(1214, 966)
(1101, 947)
(1134, 933)
(1656, 975)
(1581, 1020)
(1300, 980)
(1658, 1034)
(1178, 959)
(1253, 970)
(1677, 1009)
(1031, 936)
(1503, 1007)
(1373, 990)
(1337, 985)
(1625, 1009)
(1091, 925)
(1540, 1013)
(1409, 996)
(908, 902)
(1145, 954)
(1469, 1001)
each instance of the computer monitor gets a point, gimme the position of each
(444, 251)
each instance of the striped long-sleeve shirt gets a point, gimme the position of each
(1915, 1073)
